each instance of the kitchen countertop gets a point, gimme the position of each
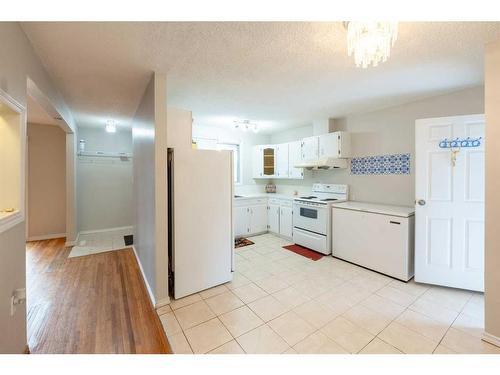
(265, 195)
(385, 209)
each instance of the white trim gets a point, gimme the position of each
(46, 237)
(10, 220)
(148, 287)
(162, 302)
(130, 227)
(489, 338)
(77, 240)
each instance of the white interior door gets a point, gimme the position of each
(449, 229)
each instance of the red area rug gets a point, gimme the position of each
(304, 251)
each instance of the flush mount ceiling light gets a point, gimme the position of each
(245, 125)
(110, 126)
(370, 41)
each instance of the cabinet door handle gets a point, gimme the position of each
(395, 222)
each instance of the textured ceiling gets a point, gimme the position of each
(279, 74)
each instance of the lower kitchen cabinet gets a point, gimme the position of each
(259, 215)
(250, 217)
(280, 217)
(286, 221)
(376, 237)
(241, 220)
(258, 219)
(273, 218)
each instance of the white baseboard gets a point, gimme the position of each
(489, 338)
(77, 240)
(105, 230)
(70, 243)
(46, 237)
(162, 302)
(148, 287)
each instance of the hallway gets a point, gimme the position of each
(90, 304)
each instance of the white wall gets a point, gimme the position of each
(104, 184)
(150, 189)
(386, 131)
(46, 181)
(19, 62)
(492, 240)
(292, 134)
(246, 141)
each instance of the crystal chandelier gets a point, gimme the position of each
(370, 42)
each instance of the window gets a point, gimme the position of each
(212, 144)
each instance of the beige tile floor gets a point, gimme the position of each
(280, 302)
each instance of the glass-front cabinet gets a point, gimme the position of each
(277, 161)
(264, 161)
(269, 156)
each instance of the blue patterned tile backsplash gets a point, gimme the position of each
(381, 164)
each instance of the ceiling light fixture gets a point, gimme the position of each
(370, 42)
(245, 125)
(110, 126)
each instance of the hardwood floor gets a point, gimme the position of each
(91, 304)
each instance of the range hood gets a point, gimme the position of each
(322, 163)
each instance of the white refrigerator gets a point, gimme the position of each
(200, 196)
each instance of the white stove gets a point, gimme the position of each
(312, 216)
(325, 194)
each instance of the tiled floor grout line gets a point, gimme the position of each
(308, 272)
(451, 325)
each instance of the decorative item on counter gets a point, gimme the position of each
(270, 188)
(8, 210)
(381, 164)
(295, 193)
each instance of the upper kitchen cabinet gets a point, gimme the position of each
(294, 158)
(277, 161)
(282, 156)
(264, 161)
(310, 148)
(334, 145)
(257, 162)
(269, 158)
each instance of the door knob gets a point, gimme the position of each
(421, 202)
